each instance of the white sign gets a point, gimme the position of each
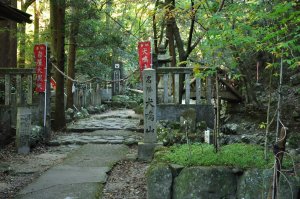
(207, 136)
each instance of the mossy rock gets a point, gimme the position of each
(159, 182)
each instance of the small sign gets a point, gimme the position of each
(40, 53)
(145, 60)
(207, 136)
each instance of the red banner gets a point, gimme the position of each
(40, 53)
(144, 55)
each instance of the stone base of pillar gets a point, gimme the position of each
(146, 150)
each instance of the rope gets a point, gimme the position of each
(90, 80)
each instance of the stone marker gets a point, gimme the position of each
(207, 136)
(146, 149)
(23, 129)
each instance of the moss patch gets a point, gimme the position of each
(235, 155)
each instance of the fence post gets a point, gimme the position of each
(7, 90)
(166, 81)
(19, 90)
(198, 90)
(29, 92)
(176, 89)
(187, 88)
(208, 90)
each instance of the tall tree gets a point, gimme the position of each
(74, 26)
(57, 22)
(22, 30)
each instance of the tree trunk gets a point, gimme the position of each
(36, 22)
(22, 31)
(13, 41)
(72, 56)
(57, 12)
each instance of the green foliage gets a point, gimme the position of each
(234, 155)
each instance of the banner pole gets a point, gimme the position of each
(46, 74)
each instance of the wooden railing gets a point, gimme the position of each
(87, 94)
(17, 77)
(203, 89)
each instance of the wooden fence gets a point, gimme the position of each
(171, 90)
(168, 105)
(20, 80)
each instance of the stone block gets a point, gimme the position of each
(146, 150)
(205, 182)
(159, 182)
(256, 183)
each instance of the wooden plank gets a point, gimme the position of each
(7, 90)
(98, 96)
(176, 89)
(17, 71)
(19, 90)
(198, 90)
(174, 70)
(208, 90)
(166, 79)
(29, 91)
(187, 89)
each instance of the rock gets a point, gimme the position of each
(84, 112)
(230, 129)
(132, 104)
(5, 168)
(188, 119)
(130, 141)
(35, 134)
(295, 79)
(205, 182)
(70, 112)
(78, 115)
(159, 182)
(68, 119)
(91, 110)
(296, 114)
(256, 183)
(120, 98)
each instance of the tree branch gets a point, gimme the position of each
(221, 6)
(191, 28)
(27, 3)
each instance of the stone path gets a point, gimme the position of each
(84, 171)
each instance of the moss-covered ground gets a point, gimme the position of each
(234, 155)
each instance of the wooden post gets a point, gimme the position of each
(98, 95)
(198, 90)
(7, 90)
(29, 92)
(208, 90)
(19, 90)
(187, 88)
(166, 79)
(176, 92)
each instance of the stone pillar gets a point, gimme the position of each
(146, 148)
(117, 75)
(23, 130)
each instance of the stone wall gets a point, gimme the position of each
(173, 112)
(175, 182)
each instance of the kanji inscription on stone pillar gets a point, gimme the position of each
(149, 84)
